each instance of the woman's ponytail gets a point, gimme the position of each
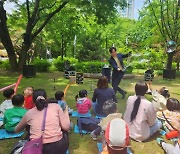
(140, 89)
(135, 108)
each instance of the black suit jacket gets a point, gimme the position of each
(113, 63)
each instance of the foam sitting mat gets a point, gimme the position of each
(6, 135)
(76, 114)
(100, 148)
(100, 117)
(76, 130)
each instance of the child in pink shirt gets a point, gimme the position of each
(83, 104)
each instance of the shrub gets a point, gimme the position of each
(89, 67)
(42, 65)
(5, 65)
(59, 63)
(159, 72)
(129, 70)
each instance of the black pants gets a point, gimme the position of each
(116, 79)
(59, 147)
(97, 131)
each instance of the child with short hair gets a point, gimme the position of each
(59, 95)
(7, 104)
(13, 116)
(83, 103)
(109, 109)
(28, 100)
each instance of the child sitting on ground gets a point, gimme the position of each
(109, 109)
(59, 95)
(159, 96)
(13, 116)
(28, 100)
(7, 104)
(173, 116)
(83, 104)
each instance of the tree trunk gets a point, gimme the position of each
(177, 66)
(23, 56)
(62, 48)
(5, 38)
(169, 61)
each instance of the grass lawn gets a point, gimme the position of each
(84, 144)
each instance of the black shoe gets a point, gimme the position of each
(124, 94)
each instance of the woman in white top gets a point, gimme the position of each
(140, 115)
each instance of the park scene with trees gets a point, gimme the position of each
(46, 41)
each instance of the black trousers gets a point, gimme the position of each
(59, 147)
(116, 79)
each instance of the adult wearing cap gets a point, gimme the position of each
(116, 61)
(116, 141)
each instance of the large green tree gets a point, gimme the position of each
(166, 16)
(38, 13)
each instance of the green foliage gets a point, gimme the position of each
(42, 65)
(5, 65)
(59, 62)
(89, 67)
(129, 70)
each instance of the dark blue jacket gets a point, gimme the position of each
(113, 63)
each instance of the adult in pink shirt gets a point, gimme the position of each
(57, 121)
(140, 115)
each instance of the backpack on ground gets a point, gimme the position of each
(87, 123)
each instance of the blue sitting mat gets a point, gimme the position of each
(100, 117)
(76, 130)
(5, 135)
(100, 148)
(99, 145)
(76, 114)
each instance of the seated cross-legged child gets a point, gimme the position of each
(59, 95)
(28, 100)
(7, 104)
(13, 116)
(109, 109)
(83, 103)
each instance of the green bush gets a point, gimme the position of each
(140, 65)
(59, 63)
(5, 65)
(42, 65)
(89, 67)
(159, 72)
(129, 70)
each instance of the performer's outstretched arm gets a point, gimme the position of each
(127, 55)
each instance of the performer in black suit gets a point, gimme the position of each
(116, 61)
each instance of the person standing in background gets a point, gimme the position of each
(116, 61)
